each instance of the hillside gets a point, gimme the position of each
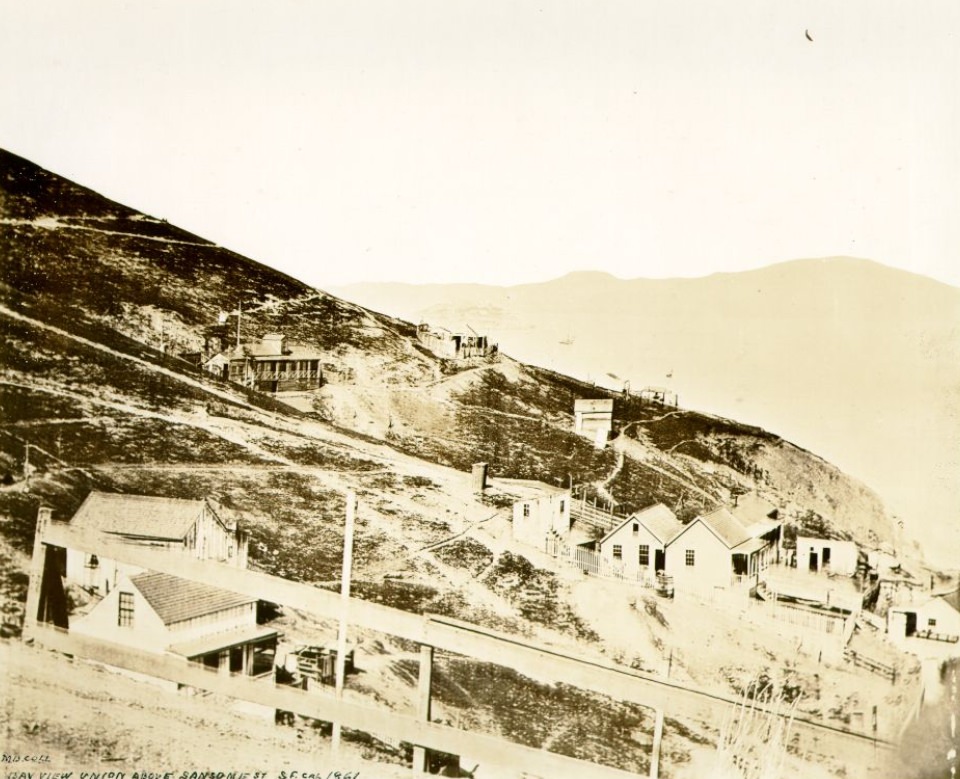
(850, 359)
(98, 301)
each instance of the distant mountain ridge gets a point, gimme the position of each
(852, 359)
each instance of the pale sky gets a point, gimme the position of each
(505, 142)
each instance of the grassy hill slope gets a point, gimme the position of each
(90, 292)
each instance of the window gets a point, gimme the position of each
(562, 506)
(125, 614)
(636, 528)
(92, 561)
(644, 556)
(689, 557)
(617, 552)
(931, 623)
(526, 509)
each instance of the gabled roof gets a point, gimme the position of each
(726, 527)
(175, 599)
(659, 521)
(139, 516)
(751, 509)
(952, 599)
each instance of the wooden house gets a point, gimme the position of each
(192, 527)
(726, 547)
(274, 364)
(454, 346)
(164, 614)
(542, 511)
(636, 547)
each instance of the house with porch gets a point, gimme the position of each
(275, 364)
(636, 547)
(191, 527)
(164, 614)
(454, 346)
(727, 547)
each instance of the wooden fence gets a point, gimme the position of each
(591, 562)
(875, 666)
(537, 661)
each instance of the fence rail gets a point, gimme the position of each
(881, 669)
(538, 661)
(591, 562)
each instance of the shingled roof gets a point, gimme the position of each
(139, 516)
(175, 599)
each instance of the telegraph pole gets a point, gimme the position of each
(344, 605)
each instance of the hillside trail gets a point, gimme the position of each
(308, 430)
(652, 459)
(142, 413)
(52, 223)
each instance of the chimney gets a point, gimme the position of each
(736, 499)
(479, 477)
(44, 515)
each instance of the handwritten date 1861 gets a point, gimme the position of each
(319, 775)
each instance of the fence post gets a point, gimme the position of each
(424, 681)
(31, 612)
(655, 752)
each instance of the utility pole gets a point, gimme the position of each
(344, 605)
(26, 467)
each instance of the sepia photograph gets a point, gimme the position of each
(505, 390)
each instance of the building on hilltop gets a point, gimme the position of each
(454, 346)
(660, 396)
(272, 364)
(593, 419)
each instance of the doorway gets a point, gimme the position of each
(911, 622)
(659, 561)
(813, 561)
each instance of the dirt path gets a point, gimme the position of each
(51, 223)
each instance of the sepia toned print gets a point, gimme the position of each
(509, 438)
